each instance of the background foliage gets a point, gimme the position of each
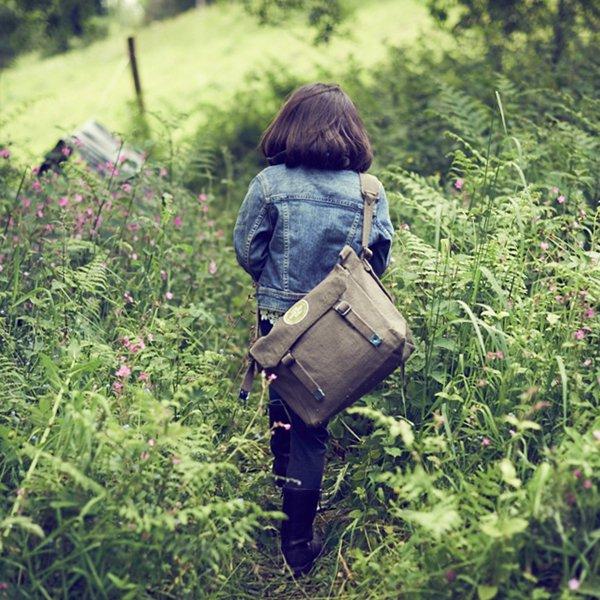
(129, 469)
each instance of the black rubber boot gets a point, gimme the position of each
(300, 547)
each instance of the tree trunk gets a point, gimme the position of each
(562, 24)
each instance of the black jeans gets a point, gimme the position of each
(290, 436)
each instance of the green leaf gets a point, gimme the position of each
(502, 527)
(509, 474)
(487, 592)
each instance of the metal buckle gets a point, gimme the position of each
(343, 308)
(367, 253)
(375, 340)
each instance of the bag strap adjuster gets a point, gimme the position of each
(343, 308)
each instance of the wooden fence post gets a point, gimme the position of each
(135, 73)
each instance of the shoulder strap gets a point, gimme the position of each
(252, 367)
(369, 188)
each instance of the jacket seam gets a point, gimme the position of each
(275, 293)
(264, 187)
(317, 199)
(259, 219)
(286, 246)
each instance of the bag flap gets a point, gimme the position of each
(268, 350)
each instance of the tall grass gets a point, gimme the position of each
(129, 469)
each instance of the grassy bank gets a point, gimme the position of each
(198, 57)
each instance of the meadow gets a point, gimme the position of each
(194, 59)
(130, 469)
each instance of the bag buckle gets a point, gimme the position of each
(343, 308)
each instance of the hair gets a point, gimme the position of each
(318, 126)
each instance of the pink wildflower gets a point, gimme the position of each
(281, 424)
(554, 191)
(144, 376)
(123, 371)
(205, 208)
(36, 186)
(78, 197)
(4, 153)
(126, 187)
(544, 246)
(587, 484)
(163, 275)
(212, 267)
(25, 202)
(117, 387)
(63, 202)
(151, 442)
(587, 362)
(561, 199)
(485, 442)
(590, 313)
(169, 295)
(574, 584)
(177, 221)
(271, 377)
(450, 576)
(576, 473)
(458, 184)
(202, 198)
(66, 151)
(3, 585)
(133, 256)
(579, 334)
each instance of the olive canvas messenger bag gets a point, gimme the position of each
(337, 342)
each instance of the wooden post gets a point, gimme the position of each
(135, 73)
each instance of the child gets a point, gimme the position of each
(297, 215)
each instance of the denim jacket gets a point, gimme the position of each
(292, 224)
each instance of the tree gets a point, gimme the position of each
(549, 24)
(49, 25)
(325, 16)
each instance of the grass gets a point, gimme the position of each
(197, 57)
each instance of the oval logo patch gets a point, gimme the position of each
(296, 313)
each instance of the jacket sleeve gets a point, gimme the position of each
(252, 231)
(382, 235)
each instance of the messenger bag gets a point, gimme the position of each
(340, 340)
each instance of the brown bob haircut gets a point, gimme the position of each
(318, 126)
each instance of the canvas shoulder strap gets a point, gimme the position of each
(369, 188)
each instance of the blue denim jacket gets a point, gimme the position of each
(292, 224)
